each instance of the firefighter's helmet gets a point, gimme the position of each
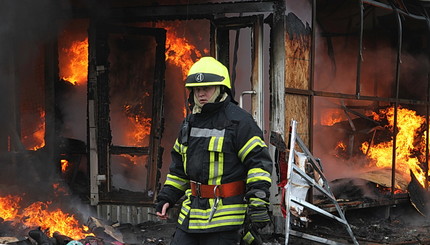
(208, 72)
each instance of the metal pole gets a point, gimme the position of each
(360, 52)
(396, 104)
(287, 187)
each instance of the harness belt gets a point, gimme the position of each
(215, 191)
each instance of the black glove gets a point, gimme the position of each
(159, 205)
(259, 216)
(250, 234)
(251, 237)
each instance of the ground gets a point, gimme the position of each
(403, 224)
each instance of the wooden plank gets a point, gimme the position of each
(297, 108)
(297, 75)
(298, 53)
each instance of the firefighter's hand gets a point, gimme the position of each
(161, 209)
(259, 217)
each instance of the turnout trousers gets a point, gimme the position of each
(181, 237)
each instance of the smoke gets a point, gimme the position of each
(336, 72)
(26, 27)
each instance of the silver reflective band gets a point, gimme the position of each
(205, 132)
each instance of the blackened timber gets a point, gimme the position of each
(157, 128)
(360, 51)
(419, 196)
(396, 104)
(277, 69)
(129, 150)
(189, 11)
(353, 96)
(389, 7)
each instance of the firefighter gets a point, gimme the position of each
(219, 162)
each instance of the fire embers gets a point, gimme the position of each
(366, 144)
(374, 156)
(18, 219)
(409, 142)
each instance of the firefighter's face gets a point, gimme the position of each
(203, 94)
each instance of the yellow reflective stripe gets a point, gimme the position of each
(183, 214)
(220, 168)
(212, 169)
(181, 149)
(185, 209)
(217, 222)
(248, 238)
(216, 160)
(216, 167)
(222, 210)
(257, 202)
(258, 174)
(215, 143)
(177, 147)
(184, 162)
(177, 182)
(249, 146)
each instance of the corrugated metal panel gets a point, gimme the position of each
(126, 214)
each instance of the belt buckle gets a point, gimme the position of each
(198, 185)
(198, 192)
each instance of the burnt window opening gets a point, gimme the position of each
(371, 92)
(127, 112)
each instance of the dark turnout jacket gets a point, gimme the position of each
(222, 144)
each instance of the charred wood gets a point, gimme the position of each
(61, 239)
(15, 241)
(419, 196)
(40, 237)
(101, 230)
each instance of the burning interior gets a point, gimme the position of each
(372, 83)
(88, 127)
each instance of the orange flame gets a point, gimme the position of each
(332, 116)
(341, 146)
(9, 207)
(180, 52)
(141, 125)
(64, 165)
(39, 215)
(37, 139)
(59, 190)
(408, 124)
(74, 62)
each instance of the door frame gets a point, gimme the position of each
(99, 133)
(220, 45)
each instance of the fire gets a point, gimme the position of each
(64, 165)
(408, 124)
(141, 125)
(37, 139)
(341, 146)
(39, 215)
(59, 190)
(74, 62)
(9, 206)
(179, 51)
(332, 116)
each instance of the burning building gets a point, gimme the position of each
(93, 95)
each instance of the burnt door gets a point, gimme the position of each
(238, 44)
(125, 112)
